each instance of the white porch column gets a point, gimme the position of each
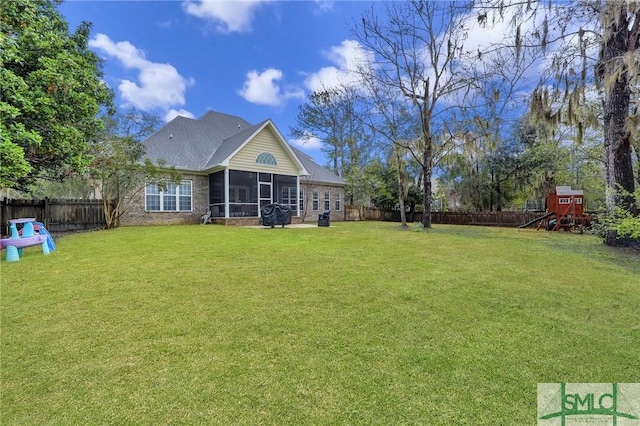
(298, 195)
(226, 192)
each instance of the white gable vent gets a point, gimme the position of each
(266, 159)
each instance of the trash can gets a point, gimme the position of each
(325, 218)
(275, 214)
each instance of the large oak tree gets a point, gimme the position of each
(589, 42)
(51, 93)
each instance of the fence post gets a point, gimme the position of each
(45, 219)
(4, 214)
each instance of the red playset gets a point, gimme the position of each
(565, 210)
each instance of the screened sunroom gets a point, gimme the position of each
(236, 193)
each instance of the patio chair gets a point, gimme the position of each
(206, 218)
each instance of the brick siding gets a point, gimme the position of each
(136, 215)
(311, 215)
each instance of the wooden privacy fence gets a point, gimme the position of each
(57, 215)
(506, 219)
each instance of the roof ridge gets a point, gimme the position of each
(163, 127)
(211, 112)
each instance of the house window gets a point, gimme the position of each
(564, 200)
(327, 200)
(301, 201)
(266, 159)
(184, 196)
(152, 198)
(172, 198)
(316, 200)
(337, 200)
(578, 200)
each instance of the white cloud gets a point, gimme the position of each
(172, 113)
(325, 78)
(125, 52)
(347, 58)
(483, 36)
(323, 6)
(309, 142)
(229, 16)
(159, 86)
(263, 88)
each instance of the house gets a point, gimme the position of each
(232, 168)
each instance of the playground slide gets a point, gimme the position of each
(536, 220)
(26, 237)
(43, 231)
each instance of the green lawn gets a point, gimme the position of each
(359, 323)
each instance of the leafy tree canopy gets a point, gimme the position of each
(119, 168)
(333, 116)
(52, 93)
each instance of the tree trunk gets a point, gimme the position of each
(617, 138)
(427, 159)
(106, 208)
(638, 165)
(401, 192)
(111, 210)
(491, 192)
(610, 237)
(426, 195)
(617, 145)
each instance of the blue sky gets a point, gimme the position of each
(253, 59)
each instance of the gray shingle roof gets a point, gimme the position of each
(201, 144)
(188, 144)
(317, 173)
(566, 190)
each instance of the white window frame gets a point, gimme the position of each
(337, 200)
(564, 200)
(316, 200)
(327, 200)
(301, 200)
(266, 159)
(165, 196)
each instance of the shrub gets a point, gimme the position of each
(624, 223)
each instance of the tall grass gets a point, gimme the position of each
(359, 323)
